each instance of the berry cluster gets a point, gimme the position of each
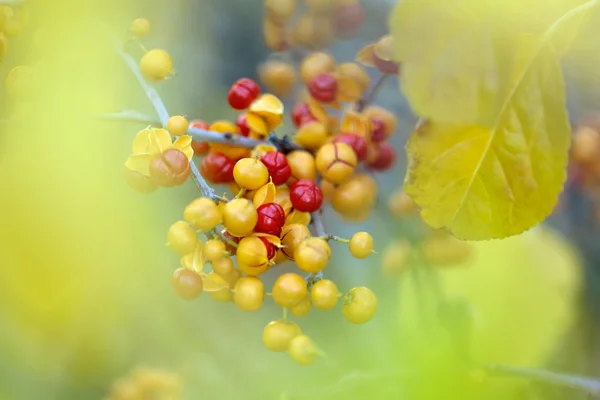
(146, 383)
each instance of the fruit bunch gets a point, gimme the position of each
(144, 383)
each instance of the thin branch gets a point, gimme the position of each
(370, 95)
(587, 385)
(129, 116)
(205, 188)
(317, 223)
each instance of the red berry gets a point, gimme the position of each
(271, 219)
(278, 167)
(271, 249)
(306, 196)
(200, 148)
(386, 157)
(377, 129)
(348, 19)
(217, 168)
(242, 93)
(323, 87)
(242, 125)
(301, 114)
(358, 144)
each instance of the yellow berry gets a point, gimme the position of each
(360, 305)
(248, 293)
(277, 335)
(400, 204)
(356, 73)
(278, 77)
(203, 214)
(312, 254)
(156, 65)
(181, 238)
(252, 256)
(324, 294)
(303, 350)
(140, 27)
(250, 173)
(315, 64)
(213, 250)
(178, 125)
(223, 295)
(355, 196)
(225, 267)
(396, 257)
(336, 162)
(361, 245)
(302, 164)
(302, 308)
(239, 217)
(289, 289)
(186, 283)
(291, 236)
(312, 31)
(312, 135)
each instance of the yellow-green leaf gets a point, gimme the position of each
(482, 182)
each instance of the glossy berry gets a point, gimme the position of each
(252, 256)
(302, 308)
(242, 93)
(361, 245)
(242, 125)
(271, 248)
(171, 168)
(248, 293)
(386, 157)
(348, 19)
(203, 214)
(181, 238)
(302, 164)
(336, 162)
(177, 125)
(301, 114)
(277, 335)
(303, 350)
(323, 88)
(312, 254)
(250, 173)
(358, 144)
(312, 135)
(213, 250)
(225, 267)
(200, 148)
(271, 218)
(156, 64)
(291, 236)
(187, 284)
(360, 305)
(217, 168)
(278, 167)
(289, 289)
(306, 196)
(324, 295)
(377, 130)
(139, 182)
(239, 217)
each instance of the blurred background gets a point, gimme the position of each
(85, 295)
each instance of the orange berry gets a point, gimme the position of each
(327, 188)
(400, 204)
(315, 64)
(277, 335)
(303, 350)
(291, 236)
(181, 238)
(250, 173)
(203, 214)
(311, 135)
(252, 256)
(585, 146)
(355, 196)
(278, 77)
(360, 305)
(186, 283)
(324, 294)
(178, 125)
(356, 73)
(248, 293)
(239, 217)
(312, 254)
(170, 168)
(289, 289)
(302, 308)
(361, 245)
(303, 165)
(214, 249)
(336, 162)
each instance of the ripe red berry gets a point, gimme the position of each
(217, 168)
(386, 157)
(242, 93)
(377, 129)
(242, 125)
(323, 87)
(278, 167)
(301, 114)
(348, 19)
(271, 219)
(200, 148)
(271, 249)
(306, 196)
(358, 144)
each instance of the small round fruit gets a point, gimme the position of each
(323, 88)
(324, 294)
(360, 305)
(186, 283)
(361, 245)
(139, 182)
(203, 214)
(239, 217)
(355, 196)
(178, 125)
(242, 93)
(248, 293)
(289, 289)
(312, 254)
(277, 335)
(271, 219)
(250, 174)
(303, 350)
(389, 119)
(242, 124)
(336, 162)
(213, 250)
(302, 308)
(358, 144)
(291, 236)
(156, 65)
(181, 238)
(278, 167)
(252, 256)
(223, 295)
(306, 196)
(140, 27)
(301, 114)
(302, 164)
(279, 77)
(401, 204)
(377, 130)
(312, 135)
(280, 11)
(275, 35)
(217, 168)
(315, 64)
(223, 266)
(170, 168)
(386, 157)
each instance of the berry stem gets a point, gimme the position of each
(370, 95)
(285, 314)
(317, 222)
(241, 193)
